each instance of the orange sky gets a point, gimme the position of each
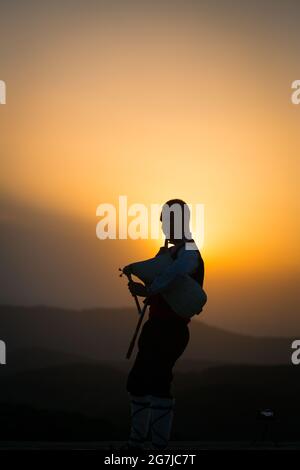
(154, 104)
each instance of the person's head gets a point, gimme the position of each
(175, 218)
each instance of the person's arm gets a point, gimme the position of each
(186, 262)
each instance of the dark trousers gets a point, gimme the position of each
(161, 343)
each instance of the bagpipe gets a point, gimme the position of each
(185, 295)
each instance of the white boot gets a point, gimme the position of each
(140, 420)
(162, 411)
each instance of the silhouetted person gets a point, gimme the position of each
(163, 338)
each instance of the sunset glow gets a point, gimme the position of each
(156, 105)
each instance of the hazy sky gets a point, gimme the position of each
(151, 100)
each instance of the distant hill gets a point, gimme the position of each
(29, 424)
(104, 334)
(23, 359)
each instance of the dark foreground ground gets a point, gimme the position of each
(175, 446)
(64, 384)
(87, 402)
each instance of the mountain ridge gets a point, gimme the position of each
(104, 334)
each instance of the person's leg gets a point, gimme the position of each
(139, 377)
(140, 420)
(173, 340)
(137, 388)
(162, 411)
(161, 343)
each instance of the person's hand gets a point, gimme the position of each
(162, 250)
(136, 288)
(127, 270)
